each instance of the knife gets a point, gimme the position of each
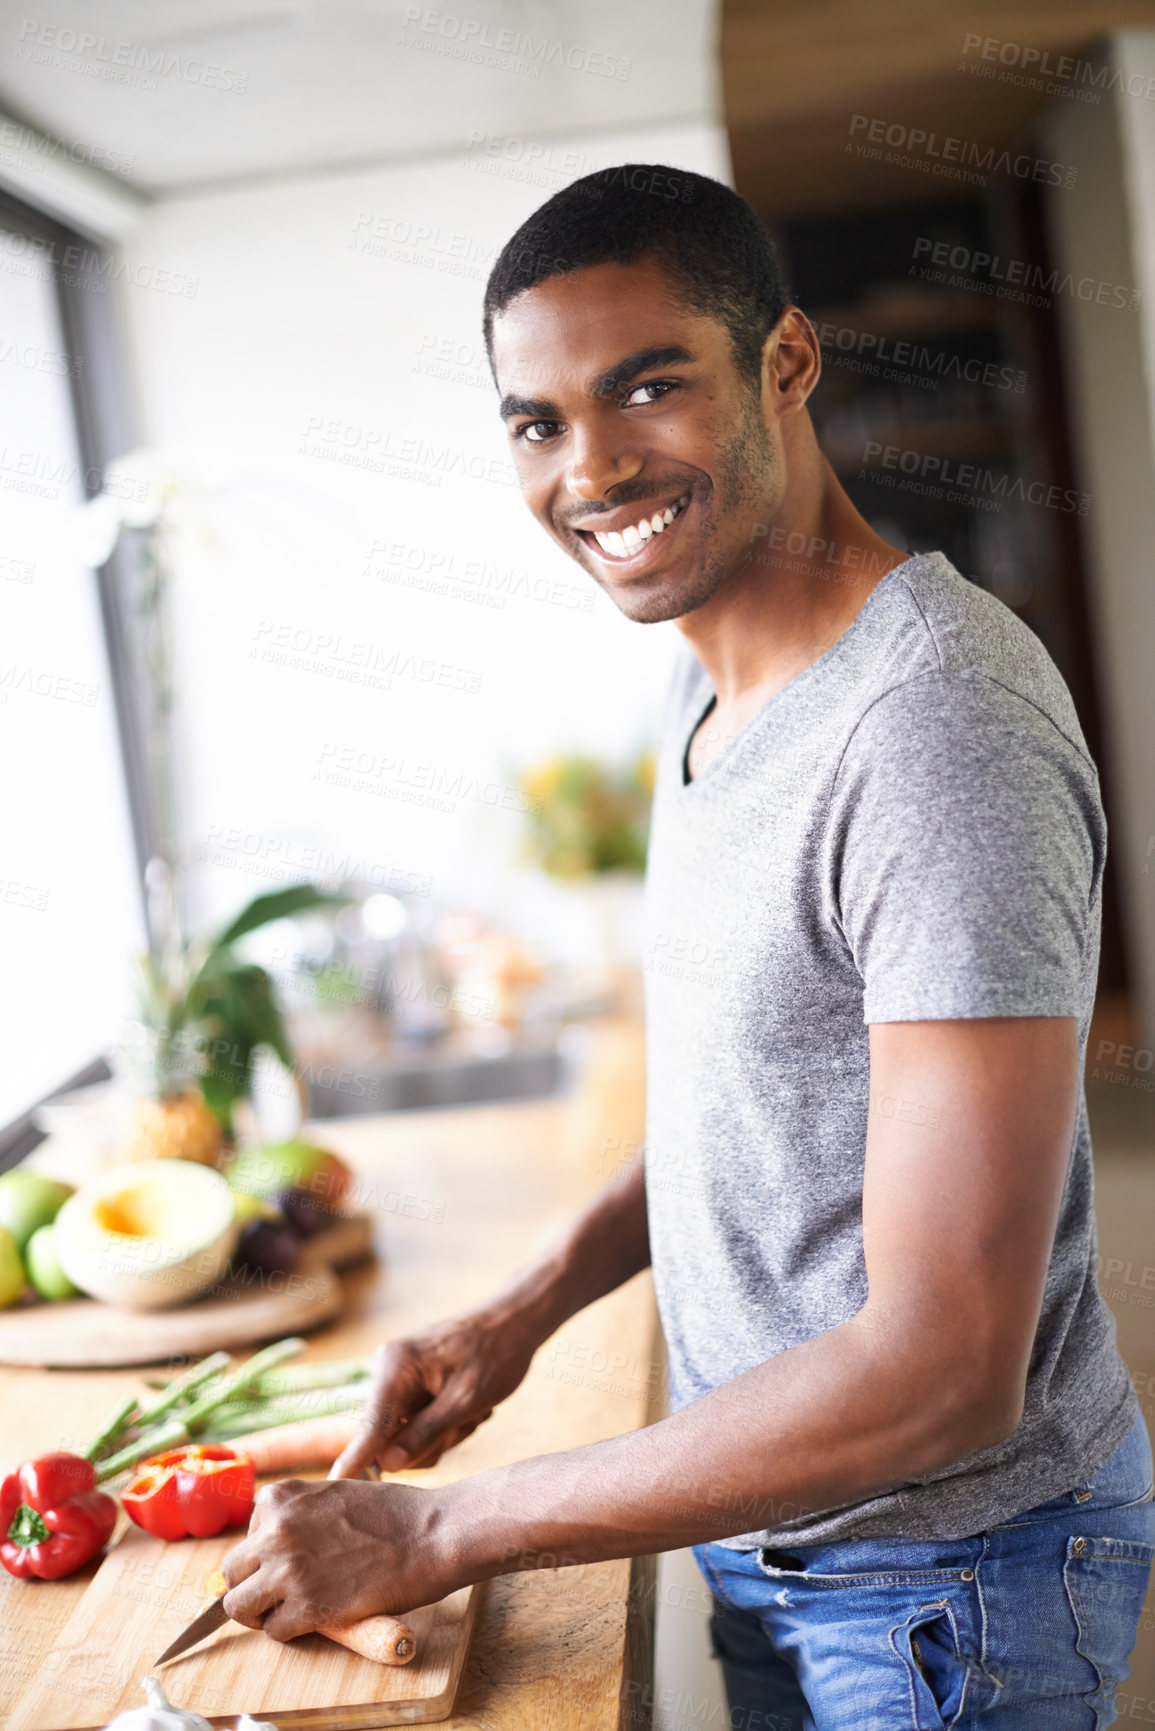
(381, 1638)
(199, 1629)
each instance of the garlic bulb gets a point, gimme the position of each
(247, 1723)
(159, 1715)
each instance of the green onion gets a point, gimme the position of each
(240, 1381)
(166, 1435)
(296, 1378)
(287, 1409)
(180, 1386)
(117, 1423)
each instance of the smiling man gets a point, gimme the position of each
(901, 1435)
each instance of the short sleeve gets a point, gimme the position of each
(966, 847)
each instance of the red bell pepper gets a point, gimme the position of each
(197, 1490)
(52, 1517)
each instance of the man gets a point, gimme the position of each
(866, 1190)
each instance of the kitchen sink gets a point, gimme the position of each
(428, 1081)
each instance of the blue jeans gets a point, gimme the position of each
(1027, 1627)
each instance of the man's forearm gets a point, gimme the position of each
(607, 1244)
(830, 1422)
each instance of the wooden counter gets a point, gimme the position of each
(461, 1198)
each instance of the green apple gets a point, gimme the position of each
(44, 1270)
(292, 1165)
(12, 1277)
(29, 1201)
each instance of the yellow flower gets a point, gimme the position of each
(543, 782)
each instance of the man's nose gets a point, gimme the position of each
(598, 464)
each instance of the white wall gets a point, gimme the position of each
(325, 358)
(1103, 230)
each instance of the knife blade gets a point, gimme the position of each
(209, 1620)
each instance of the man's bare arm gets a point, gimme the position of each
(968, 1147)
(963, 1183)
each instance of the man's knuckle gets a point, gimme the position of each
(393, 1355)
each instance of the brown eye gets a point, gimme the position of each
(660, 387)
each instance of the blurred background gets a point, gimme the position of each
(274, 615)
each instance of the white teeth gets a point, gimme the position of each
(628, 540)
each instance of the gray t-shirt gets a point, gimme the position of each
(909, 831)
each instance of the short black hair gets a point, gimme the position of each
(709, 241)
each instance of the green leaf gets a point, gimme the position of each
(236, 1006)
(239, 1003)
(276, 905)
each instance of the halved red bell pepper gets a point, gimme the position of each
(52, 1517)
(196, 1490)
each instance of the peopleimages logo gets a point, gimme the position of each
(896, 358)
(1038, 69)
(1017, 278)
(955, 158)
(989, 488)
(504, 47)
(33, 150)
(121, 62)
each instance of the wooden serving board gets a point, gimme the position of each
(145, 1592)
(83, 1333)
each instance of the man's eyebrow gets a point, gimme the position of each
(536, 406)
(607, 384)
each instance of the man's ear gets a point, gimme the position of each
(791, 363)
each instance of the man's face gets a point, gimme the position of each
(638, 445)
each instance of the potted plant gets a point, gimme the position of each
(205, 1013)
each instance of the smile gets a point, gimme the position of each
(626, 543)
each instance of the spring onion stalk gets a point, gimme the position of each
(151, 1442)
(117, 1423)
(286, 1409)
(180, 1386)
(308, 1400)
(240, 1381)
(296, 1378)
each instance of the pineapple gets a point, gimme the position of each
(171, 1119)
(199, 999)
(175, 1127)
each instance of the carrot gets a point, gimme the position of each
(380, 1638)
(309, 1442)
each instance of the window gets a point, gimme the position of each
(70, 904)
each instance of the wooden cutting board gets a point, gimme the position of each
(145, 1592)
(83, 1333)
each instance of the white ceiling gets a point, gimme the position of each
(341, 82)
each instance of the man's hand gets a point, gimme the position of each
(434, 1389)
(324, 1553)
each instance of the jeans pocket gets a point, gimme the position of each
(1106, 1583)
(940, 1680)
(932, 1576)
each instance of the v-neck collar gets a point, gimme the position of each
(804, 674)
